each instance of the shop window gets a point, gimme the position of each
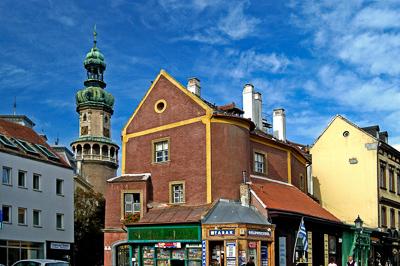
(161, 151)
(177, 192)
(21, 179)
(383, 216)
(392, 219)
(259, 163)
(36, 182)
(391, 179)
(36, 218)
(6, 178)
(7, 210)
(21, 216)
(382, 175)
(332, 245)
(60, 221)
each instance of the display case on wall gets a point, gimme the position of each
(148, 255)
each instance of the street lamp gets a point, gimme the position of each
(359, 227)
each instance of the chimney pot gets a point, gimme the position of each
(279, 124)
(194, 86)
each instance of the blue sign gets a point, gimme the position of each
(1, 219)
(203, 253)
(260, 233)
(264, 256)
(229, 232)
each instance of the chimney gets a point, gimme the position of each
(279, 124)
(194, 86)
(245, 194)
(258, 110)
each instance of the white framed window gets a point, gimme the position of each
(36, 180)
(36, 218)
(7, 212)
(59, 187)
(22, 216)
(21, 179)
(177, 191)
(161, 149)
(60, 221)
(259, 163)
(131, 203)
(7, 176)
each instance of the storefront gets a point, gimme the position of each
(234, 234)
(162, 245)
(236, 244)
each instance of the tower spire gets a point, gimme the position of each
(94, 36)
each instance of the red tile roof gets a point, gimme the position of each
(14, 130)
(175, 214)
(288, 198)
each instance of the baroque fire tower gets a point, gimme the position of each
(96, 154)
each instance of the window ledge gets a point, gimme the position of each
(22, 224)
(61, 195)
(60, 229)
(383, 188)
(37, 190)
(38, 226)
(22, 187)
(6, 184)
(161, 163)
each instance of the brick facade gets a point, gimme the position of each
(231, 153)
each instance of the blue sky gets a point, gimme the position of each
(315, 59)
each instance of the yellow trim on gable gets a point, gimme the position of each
(207, 122)
(230, 121)
(123, 156)
(161, 128)
(178, 85)
(302, 160)
(289, 168)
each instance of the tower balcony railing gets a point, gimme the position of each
(98, 157)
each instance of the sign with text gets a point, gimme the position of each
(222, 232)
(231, 250)
(259, 233)
(203, 253)
(264, 256)
(62, 246)
(169, 245)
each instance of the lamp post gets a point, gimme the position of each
(359, 227)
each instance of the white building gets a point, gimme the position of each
(36, 196)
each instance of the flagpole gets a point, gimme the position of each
(297, 237)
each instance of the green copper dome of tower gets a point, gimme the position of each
(95, 152)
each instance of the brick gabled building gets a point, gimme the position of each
(181, 154)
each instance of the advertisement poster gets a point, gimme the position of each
(264, 256)
(282, 251)
(203, 253)
(231, 250)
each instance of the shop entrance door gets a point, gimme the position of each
(216, 253)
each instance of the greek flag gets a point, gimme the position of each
(302, 235)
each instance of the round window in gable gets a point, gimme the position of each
(346, 134)
(160, 106)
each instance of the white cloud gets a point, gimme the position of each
(376, 18)
(236, 24)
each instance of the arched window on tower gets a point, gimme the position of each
(86, 149)
(104, 151)
(84, 117)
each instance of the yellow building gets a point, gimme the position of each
(356, 172)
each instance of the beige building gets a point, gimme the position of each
(356, 172)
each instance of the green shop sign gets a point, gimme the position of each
(183, 233)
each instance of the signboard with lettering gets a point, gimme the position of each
(252, 244)
(282, 251)
(259, 233)
(203, 253)
(181, 233)
(309, 252)
(326, 249)
(222, 232)
(168, 245)
(63, 246)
